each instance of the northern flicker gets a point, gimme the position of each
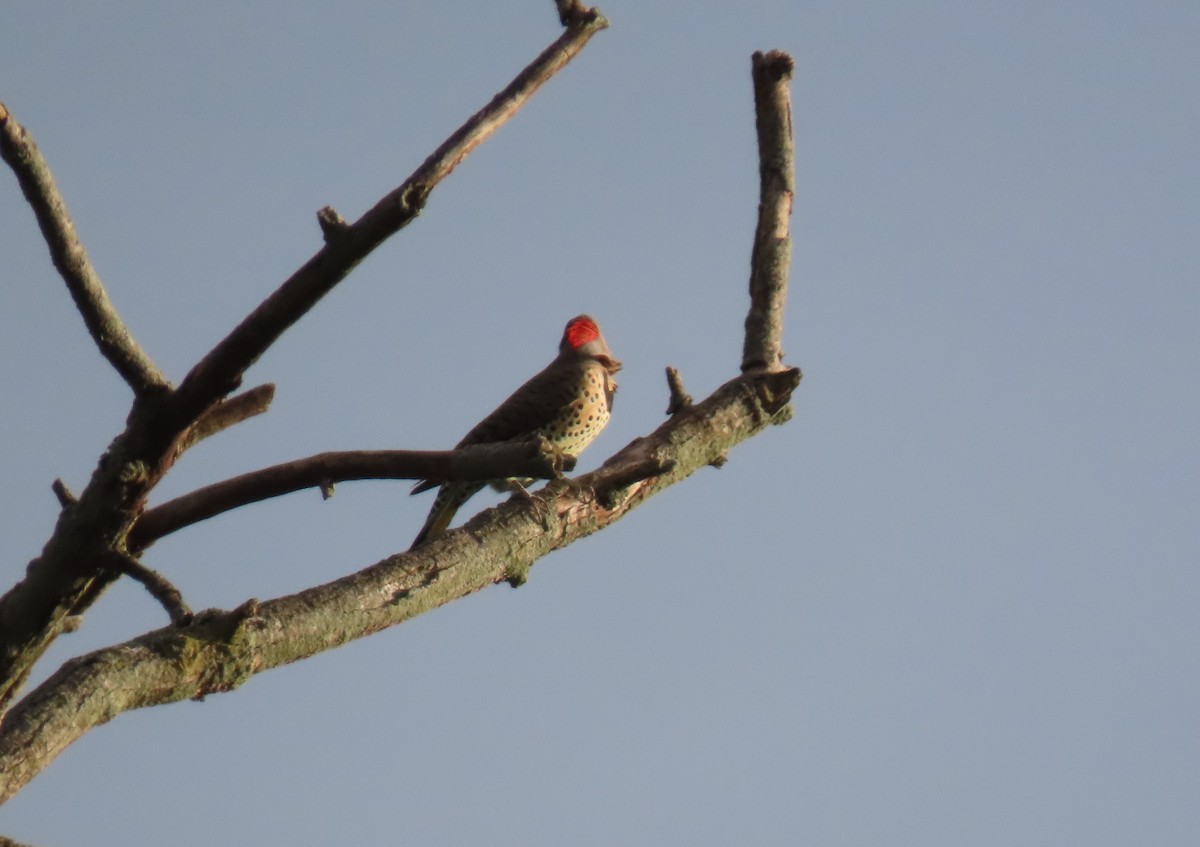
(568, 403)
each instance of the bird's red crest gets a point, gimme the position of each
(580, 331)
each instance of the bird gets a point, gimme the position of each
(568, 402)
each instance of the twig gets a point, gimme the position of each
(491, 461)
(772, 253)
(333, 226)
(253, 401)
(116, 343)
(64, 495)
(680, 399)
(158, 585)
(220, 371)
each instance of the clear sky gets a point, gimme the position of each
(955, 601)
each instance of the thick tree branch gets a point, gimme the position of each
(114, 339)
(537, 459)
(64, 580)
(221, 650)
(772, 253)
(221, 370)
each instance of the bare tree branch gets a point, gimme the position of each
(772, 254)
(63, 494)
(218, 651)
(116, 343)
(221, 650)
(64, 581)
(221, 370)
(159, 586)
(333, 226)
(537, 459)
(233, 410)
(680, 399)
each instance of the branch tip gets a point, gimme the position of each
(109, 332)
(333, 226)
(776, 63)
(233, 410)
(575, 13)
(65, 498)
(680, 399)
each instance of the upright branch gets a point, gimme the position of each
(116, 343)
(772, 253)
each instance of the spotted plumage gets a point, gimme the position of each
(568, 403)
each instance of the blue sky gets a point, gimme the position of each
(953, 602)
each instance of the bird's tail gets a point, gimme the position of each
(450, 498)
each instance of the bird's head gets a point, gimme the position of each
(582, 338)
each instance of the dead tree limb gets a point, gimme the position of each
(66, 578)
(221, 650)
(772, 254)
(114, 339)
(680, 399)
(228, 412)
(533, 459)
